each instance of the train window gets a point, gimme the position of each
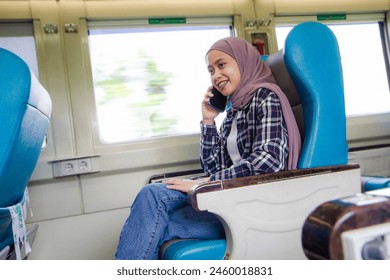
(366, 83)
(18, 37)
(149, 80)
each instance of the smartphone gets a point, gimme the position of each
(218, 101)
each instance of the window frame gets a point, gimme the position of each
(363, 131)
(163, 140)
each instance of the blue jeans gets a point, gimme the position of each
(159, 214)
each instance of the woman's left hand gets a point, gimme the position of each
(182, 185)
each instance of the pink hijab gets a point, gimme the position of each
(256, 74)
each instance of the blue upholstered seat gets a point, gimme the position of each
(25, 109)
(194, 249)
(313, 60)
(311, 56)
(372, 183)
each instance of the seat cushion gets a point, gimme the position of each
(194, 249)
(371, 183)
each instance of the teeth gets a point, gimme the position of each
(221, 85)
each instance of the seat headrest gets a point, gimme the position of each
(284, 81)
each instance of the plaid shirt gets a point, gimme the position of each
(262, 140)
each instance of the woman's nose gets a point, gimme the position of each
(216, 75)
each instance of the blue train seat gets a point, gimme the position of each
(25, 114)
(372, 183)
(263, 215)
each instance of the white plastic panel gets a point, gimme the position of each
(353, 241)
(264, 221)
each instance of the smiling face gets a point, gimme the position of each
(224, 72)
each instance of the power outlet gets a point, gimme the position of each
(77, 166)
(68, 168)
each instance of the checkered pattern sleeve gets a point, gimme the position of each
(210, 149)
(262, 141)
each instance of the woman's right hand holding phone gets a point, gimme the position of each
(208, 113)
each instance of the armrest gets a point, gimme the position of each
(344, 228)
(262, 179)
(189, 174)
(263, 215)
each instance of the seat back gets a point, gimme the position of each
(310, 65)
(25, 109)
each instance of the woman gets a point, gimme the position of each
(258, 135)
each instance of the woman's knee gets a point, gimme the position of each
(154, 192)
(157, 194)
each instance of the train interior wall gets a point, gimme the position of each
(80, 216)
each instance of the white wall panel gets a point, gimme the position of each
(84, 237)
(372, 161)
(59, 198)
